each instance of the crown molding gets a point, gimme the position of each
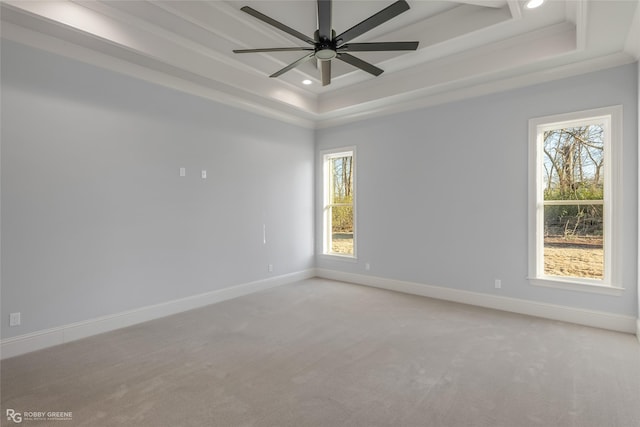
(122, 41)
(243, 101)
(472, 89)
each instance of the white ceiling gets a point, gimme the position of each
(467, 48)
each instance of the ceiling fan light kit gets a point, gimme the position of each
(326, 54)
(327, 46)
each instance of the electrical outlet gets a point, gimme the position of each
(14, 319)
(270, 268)
(498, 284)
(183, 172)
(367, 266)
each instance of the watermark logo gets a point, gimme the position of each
(19, 417)
(14, 416)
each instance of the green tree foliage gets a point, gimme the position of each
(342, 219)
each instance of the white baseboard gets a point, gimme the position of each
(26, 343)
(579, 316)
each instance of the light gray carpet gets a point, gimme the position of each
(322, 353)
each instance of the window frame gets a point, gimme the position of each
(326, 202)
(611, 283)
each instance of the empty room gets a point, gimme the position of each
(320, 213)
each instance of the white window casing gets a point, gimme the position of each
(611, 119)
(328, 204)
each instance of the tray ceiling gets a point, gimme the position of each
(467, 48)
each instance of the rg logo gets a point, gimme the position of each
(14, 416)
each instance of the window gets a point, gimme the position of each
(338, 209)
(575, 200)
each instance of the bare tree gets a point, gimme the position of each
(574, 160)
(343, 177)
(573, 164)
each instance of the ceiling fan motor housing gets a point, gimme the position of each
(325, 49)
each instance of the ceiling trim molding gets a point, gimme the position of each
(222, 8)
(453, 71)
(176, 46)
(161, 32)
(257, 105)
(476, 89)
(79, 53)
(152, 43)
(581, 20)
(632, 45)
(515, 9)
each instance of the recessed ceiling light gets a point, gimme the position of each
(532, 4)
(306, 82)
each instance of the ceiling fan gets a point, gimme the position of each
(325, 45)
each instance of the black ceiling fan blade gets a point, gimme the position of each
(325, 71)
(372, 47)
(373, 21)
(272, 49)
(278, 25)
(293, 65)
(359, 63)
(324, 19)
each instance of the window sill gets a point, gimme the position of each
(338, 257)
(576, 286)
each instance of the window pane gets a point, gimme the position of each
(342, 179)
(342, 230)
(573, 241)
(338, 222)
(573, 163)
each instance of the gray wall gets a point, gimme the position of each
(95, 218)
(442, 192)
